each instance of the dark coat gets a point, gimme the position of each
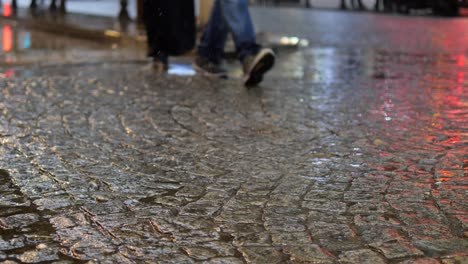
(170, 26)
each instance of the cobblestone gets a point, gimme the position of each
(361, 256)
(340, 156)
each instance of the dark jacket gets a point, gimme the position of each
(170, 26)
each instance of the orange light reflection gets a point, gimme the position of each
(7, 38)
(7, 9)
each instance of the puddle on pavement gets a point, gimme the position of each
(20, 46)
(26, 234)
(327, 65)
(422, 117)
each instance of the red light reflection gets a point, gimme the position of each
(461, 60)
(7, 38)
(421, 130)
(9, 73)
(7, 9)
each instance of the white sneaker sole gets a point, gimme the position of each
(262, 63)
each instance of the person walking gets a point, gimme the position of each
(232, 16)
(170, 29)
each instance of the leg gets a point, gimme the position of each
(123, 14)
(140, 10)
(53, 5)
(343, 5)
(256, 61)
(62, 6)
(237, 18)
(234, 16)
(361, 5)
(214, 37)
(152, 14)
(387, 5)
(377, 5)
(150, 29)
(33, 4)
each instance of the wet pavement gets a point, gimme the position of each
(353, 150)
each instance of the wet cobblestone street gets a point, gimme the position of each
(351, 151)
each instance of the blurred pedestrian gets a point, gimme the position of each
(383, 4)
(170, 29)
(232, 16)
(357, 4)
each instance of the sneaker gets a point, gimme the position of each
(160, 66)
(209, 69)
(161, 63)
(256, 66)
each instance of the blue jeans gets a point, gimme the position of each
(228, 16)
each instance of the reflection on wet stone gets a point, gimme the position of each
(227, 260)
(262, 254)
(309, 253)
(24, 228)
(290, 238)
(364, 256)
(436, 247)
(397, 249)
(12, 243)
(38, 255)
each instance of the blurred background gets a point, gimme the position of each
(437, 7)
